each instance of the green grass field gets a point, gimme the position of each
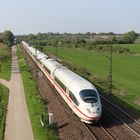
(126, 69)
(5, 62)
(133, 48)
(35, 103)
(3, 107)
(137, 41)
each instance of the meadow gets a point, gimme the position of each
(133, 48)
(5, 62)
(3, 107)
(126, 69)
(137, 41)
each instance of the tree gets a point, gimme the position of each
(7, 38)
(130, 37)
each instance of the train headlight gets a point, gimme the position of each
(88, 110)
(98, 110)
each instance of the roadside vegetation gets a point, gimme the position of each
(6, 40)
(3, 107)
(35, 104)
(5, 62)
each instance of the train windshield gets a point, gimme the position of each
(89, 96)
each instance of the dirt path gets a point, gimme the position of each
(18, 126)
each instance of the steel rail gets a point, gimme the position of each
(121, 110)
(126, 125)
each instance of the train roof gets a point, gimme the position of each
(24, 43)
(51, 64)
(66, 76)
(72, 80)
(41, 55)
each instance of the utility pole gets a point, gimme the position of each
(110, 71)
(0, 67)
(109, 77)
(36, 50)
(56, 49)
(56, 53)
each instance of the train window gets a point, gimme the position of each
(73, 98)
(47, 69)
(60, 84)
(89, 96)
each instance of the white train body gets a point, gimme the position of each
(78, 93)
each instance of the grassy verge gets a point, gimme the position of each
(3, 106)
(5, 62)
(35, 104)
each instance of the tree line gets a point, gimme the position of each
(88, 40)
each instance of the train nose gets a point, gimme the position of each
(93, 111)
(88, 111)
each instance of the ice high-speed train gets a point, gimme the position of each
(81, 96)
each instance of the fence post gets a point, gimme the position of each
(51, 119)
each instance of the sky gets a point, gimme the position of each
(72, 16)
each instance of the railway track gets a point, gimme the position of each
(132, 125)
(121, 110)
(98, 132)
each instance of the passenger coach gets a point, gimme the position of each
(81, 96)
